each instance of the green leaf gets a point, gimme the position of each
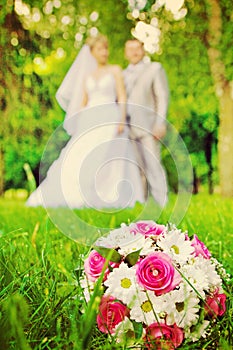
(108, 253)
(132, 258)
(138, 329)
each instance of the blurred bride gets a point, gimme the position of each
(96, 168)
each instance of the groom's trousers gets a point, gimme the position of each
(147, 152)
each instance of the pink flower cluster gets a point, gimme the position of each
(94, 266)
(111, 313)
(147, 228)
(154, 272)
(160, 336)
(216, 304)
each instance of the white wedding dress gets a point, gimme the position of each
(97, 167)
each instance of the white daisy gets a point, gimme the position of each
(175, 245)
(201, 274)
(133, 243)
(195, 333)
(147, 247)
(124, 331)
(195, 279)
(122, 238)
(121, 283)
(114, 238)
(88, 287)
(146, 308)
(220, 270)
(182, 307)
(208, 268)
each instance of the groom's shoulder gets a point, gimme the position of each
(155, 65)
(152, 70)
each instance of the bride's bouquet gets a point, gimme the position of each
(159, 286)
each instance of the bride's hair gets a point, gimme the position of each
(92, 40)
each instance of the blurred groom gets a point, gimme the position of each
(147, 96)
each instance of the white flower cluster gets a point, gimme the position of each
(149, 33)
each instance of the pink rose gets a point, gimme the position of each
(94, 264)
(160, 336)
(156, 273)
(147, 228)
(111, 312)
(216, 304)
(200, 248)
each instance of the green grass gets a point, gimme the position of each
(40, 302)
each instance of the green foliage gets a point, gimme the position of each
(186, 61)
(132, 258)
(112, 254)
(227, 38)
(39, 48)
(16, 308)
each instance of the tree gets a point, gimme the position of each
(219, 47)
(46, 36)
(196, 49)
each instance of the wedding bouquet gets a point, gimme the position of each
(159, 286)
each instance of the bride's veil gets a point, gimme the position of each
(70, 93)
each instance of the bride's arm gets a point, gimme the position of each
(121, 94)
(85, 99)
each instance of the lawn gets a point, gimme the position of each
(40, 300)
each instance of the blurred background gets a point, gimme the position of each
(192, 39)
